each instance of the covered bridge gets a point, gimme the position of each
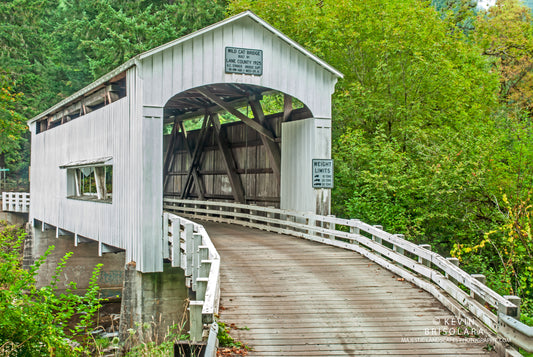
(234, 112)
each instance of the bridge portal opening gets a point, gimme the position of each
(223, 142)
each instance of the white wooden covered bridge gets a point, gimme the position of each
(223, 125)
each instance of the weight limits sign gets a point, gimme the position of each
(244, 61)
(322, 173)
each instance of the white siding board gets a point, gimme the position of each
(177, 65)
(198, 62)
(83, 138)
(219, 49)
(168, 71)
(188, 65)
(156, 84)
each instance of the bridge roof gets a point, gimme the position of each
(136, 60)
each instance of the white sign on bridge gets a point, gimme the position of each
(322, 173)
(244, 61)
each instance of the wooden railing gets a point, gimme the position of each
(16, 202)
(415, 263)
(188, 246)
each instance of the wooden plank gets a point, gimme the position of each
(315, 312)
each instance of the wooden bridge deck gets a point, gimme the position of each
(292, 297)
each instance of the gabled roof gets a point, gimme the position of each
(132, 62)
(235, 18)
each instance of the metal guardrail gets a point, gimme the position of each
(18, 202)
(414, 263)
(188, 246)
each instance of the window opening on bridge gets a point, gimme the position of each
(90, 181)
(103, 95)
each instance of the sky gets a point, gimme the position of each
(487, 3)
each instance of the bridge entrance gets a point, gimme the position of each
(223, 142)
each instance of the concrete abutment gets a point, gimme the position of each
(151, 303)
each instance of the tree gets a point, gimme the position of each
(11, 122)
(92, 28)
(412, 117)
(505, 34)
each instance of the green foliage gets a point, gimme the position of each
(158, 348)
(50, 49)
(511, 244)
(33, 322)
(431, 124)
(129, 28)
(505, 34)
(12, 124)
(225, 340)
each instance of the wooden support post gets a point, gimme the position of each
(455, 262)
(422, 260)
(483, 280)
(198, 181)
(197, 242)
(514, 313)
(195, 318)
(169, 155)
(196, 157)
(176, 243)
(272, 148)
(248, 121)
(229, 162)
(287, 107)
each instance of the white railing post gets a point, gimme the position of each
(311, 223)
(203, 272)
(176, 242)
(455, 262)
(422, 260)
(483, 280)
(377, 239)
(189, 230)
(332, 227)
(396, 248)
(514, 313)
(196, 243)
(354, 229)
